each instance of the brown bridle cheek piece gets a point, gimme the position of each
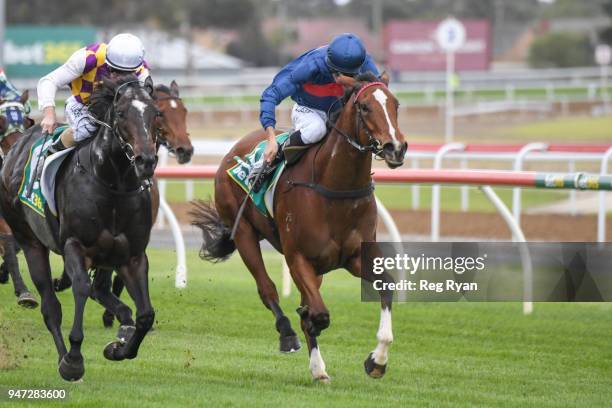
(372, 142)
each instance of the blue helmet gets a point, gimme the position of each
(346, 54)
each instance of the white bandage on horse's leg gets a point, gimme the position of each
(317, 365)
(384, 336)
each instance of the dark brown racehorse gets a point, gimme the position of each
(323, 210)
(174, 136)
(8, 250)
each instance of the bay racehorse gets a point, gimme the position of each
(14, 120)
(104, 216)
(323, 210)
(173, 135)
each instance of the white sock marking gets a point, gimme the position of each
(317, 365)
(384, 336)
(381, 97)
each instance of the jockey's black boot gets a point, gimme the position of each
(294, 148)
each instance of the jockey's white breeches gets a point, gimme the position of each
(77, 115)
(310, 122)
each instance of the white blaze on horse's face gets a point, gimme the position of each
(173, 104)
(140, 107)
(381, 97)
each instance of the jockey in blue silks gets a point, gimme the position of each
(310, 80)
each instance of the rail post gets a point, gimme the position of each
(601, 212)
(435, 189)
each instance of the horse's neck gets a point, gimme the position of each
(341, 166)
(109, 163)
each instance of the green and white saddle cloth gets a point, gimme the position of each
(36, 199)
(263, 199)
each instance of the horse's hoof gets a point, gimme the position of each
(125, 333)
(111, 349)
(372, 369)
(107, 319)
(323, 379)
(289, 344)
(71, 370)
(27, 300)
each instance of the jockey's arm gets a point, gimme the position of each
(50, 83)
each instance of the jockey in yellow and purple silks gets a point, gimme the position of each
(124, 54)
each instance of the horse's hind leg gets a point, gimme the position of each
(250, 252)
(109, 315)
(376, 363)
(37, 258)
(114, 307)
(135, 277)
(24, 297)
(313, 313)
(72, 366)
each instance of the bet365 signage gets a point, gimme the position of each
(32, 51)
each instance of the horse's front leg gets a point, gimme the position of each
(313, 312)
(376, 363)
(72, 366)
(135, 277)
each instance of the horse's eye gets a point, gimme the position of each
(119, 114)
(159, 114)
(364, 108)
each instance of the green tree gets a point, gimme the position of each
(561, 50)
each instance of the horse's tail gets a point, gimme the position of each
(217, 245)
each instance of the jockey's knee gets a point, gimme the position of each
(67, 137)
(314, 132)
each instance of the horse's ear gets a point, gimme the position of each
(384, 78)
(148, 86)
(174, 89)
(24, 97)
(346, 81)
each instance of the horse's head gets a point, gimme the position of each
(376, 116)
(132, 116)
(173, 126)
(13, 120)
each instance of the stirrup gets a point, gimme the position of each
(257, 181)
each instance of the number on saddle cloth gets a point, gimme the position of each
(34, 198)
(240, 172)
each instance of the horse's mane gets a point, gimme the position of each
(366, 77)
(103, 95)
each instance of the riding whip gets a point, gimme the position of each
(40, 158)
(243, 205)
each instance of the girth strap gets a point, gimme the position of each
(333, 194)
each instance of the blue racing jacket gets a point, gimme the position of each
(308, 81)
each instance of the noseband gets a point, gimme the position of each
(373, 144)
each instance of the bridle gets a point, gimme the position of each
(159, 131)
(126, 147)
(374, 146)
